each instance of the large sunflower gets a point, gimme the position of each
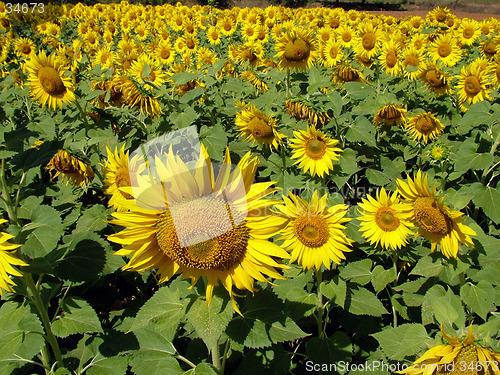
(314, 150)
(466, 357)
(296, 50)
(445, 49)
(424, 126)
(390, 114)
(435, 221)
(222, 242)
(314, 234)
(256, 126)
(71, 168)
(367, 41)
(389, 57)
(7, 260)
(468, 31)
(435, 79)
(473, 85)
(385, 220)
(48, 80)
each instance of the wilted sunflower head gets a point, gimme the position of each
(424, 127)
(71, 168)
(256, 126)
(390, 114)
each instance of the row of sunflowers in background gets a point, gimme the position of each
(365, 150)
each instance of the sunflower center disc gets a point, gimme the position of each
(311, 230)
(368, 41)
(297, 50)
(123, 180)
(444, 50)
(315, 148)
(346, 37)
(25, 49)
(472, 85)
(425, 124)
(386, 220)
(490, 48)
(440, 17)
(260, 129)
(391, 59)
(334, 52)
(468, 33)
(50, 81)
(411, 60)
(434, 79)
(430, 217)
(465, 363)
(201, 220)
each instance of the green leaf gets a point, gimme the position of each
(163, 307)
(333, 349)
(448, 308)
(336, 290)
(209, 320)
(21, 335)
(335, 101)
(77, 317)
(428, 266)
(478, 114)
(183, 77)
(215, 139)
(381, 277)
(487, 198)
(358, 271)
(361, 131)
(109, 366)
(93, 219)
(467, 158)
(201, 369)
(460, 198)
(265, 321)
(46, 222)
(153, 362)
(364, 302)
(303, 303)
(185, 118)
(480, 298)
(359, 90)
(404, 340)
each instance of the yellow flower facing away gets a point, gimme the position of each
(314, 234)
(8, 259)
(389, 115)
(193, 228)
(314, 151)
(424, 127)
(70, 168)
(50, 85)
(385, 220)
(456, 358)
(434, 220)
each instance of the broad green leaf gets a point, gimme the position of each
(263, 323)
(467, 158)
(480, 298)
(478, 114)
(335, 101)
(151, 362)
(21, 335)
(359, 90)
(183, 77)
(48, 229)
(361, 131)
(191, 96)
(448, 308)
(185, 118)
(108, 366)
(364, 302)
(358, 271)
(381, 277)
(163, 307)
(336, 290)
(487, 198)
(293, 289)
(92, 219)
(377, 177)
(404, 340)
(460, 198)
(77, 317)
(201, 369)
(209, 320)
(333, 349)
(428, 266)
(215, 139)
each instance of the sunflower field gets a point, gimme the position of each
(189, 190)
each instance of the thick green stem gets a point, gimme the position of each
(287, 83)
(11, 211)
(84, 117)
(216, 357)
(320, 310)
(44, 317)
(394, 257)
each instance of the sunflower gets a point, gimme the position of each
(468, 32)
(389, 57)
(255, 81)
(24, 47)
(413, 63)
(439, 152)
(367, 41)
(136, 96)
(250, 51)
(390, 114)
(249, 31)
(164, 53)
(490, 47)
(116, 98)
(464, 357)
(435, 221)
(213, 35)
(438, 16)
(314, 150)
(343, 73)
(331, 53)
(117, 172)
(345, 36)
(145, 69)
(385, 220)
(445, 49)
(424, 126)
(256, 126)
(7, 260)
(435, 79)
(195, 230)
(314, 233)
(71, 168)
(227, 26)
(472, 85)
(104, 57)
(296, 50)
(48, 80)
